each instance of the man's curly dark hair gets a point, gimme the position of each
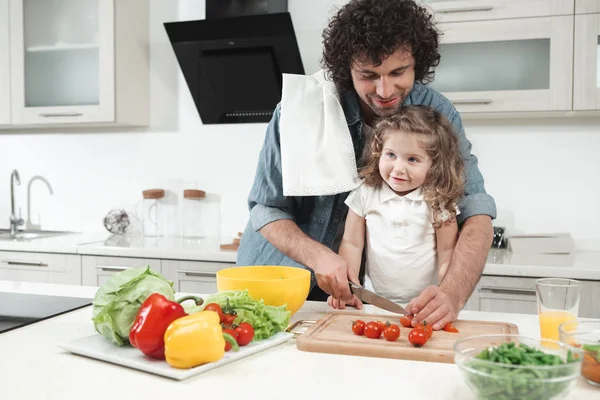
(376, 29)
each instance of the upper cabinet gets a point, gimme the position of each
(586, 94)
(4, 65)
(478, 10)
(521, 64)
(587, 6)
(519, 58)
(78, 62)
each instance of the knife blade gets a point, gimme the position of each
(376, 300)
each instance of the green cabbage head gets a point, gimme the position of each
(117, 302)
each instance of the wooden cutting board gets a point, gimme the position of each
(333, 334)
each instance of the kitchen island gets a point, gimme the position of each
(32, 366)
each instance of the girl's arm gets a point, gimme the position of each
(446, 236)
(353, 243)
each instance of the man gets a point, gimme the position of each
(379, 55)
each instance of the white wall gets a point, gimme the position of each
(541, 172)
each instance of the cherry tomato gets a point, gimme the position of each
(245, 333)
(427, 328)
(358, 327)
(406, 321)
(417, 337)
(382, 325)
(216, 308)
(372, 330)
(450, 328)
(228, 319)
(391, 332)
(233, 334)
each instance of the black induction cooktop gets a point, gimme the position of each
(20, 309)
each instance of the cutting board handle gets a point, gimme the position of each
(293, 328)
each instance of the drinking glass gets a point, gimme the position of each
(558, 302)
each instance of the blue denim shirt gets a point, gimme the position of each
(320, 216)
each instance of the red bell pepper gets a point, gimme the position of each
(152, 320)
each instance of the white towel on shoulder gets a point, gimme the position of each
(317, 155)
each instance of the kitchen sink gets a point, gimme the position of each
(31, 234)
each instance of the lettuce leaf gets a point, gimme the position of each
(266, 320)
(117, 302)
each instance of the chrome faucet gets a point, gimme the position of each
(14, 221)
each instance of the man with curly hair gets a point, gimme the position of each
(378, 56)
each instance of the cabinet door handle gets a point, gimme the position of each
(465, 9)
(196, 273)
(111, 268)
(53, 115)
(472, 101)
(25, 263)
(526, 292)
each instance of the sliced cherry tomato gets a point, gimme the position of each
(391, 332)
(245, 333)
(450, 328)
(358, 327)
(228, 319)
(382, 325)
(234, 334)
(427, 328)
(216, 308)
(417, 337)
(406, 321)
(372, 330)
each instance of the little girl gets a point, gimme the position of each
(405, 209)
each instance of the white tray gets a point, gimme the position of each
(96, 346)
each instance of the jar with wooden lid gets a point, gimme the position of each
(192, 218)
(150, 212)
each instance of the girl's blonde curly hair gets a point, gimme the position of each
(444, 184)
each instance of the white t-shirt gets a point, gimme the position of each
(400, 241)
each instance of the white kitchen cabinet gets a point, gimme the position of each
(198, 277)
(586, 83)
(512, 65)
(79, 62)
(40, 267)
(4, 64)
(587, 6)
(479, 10)
(517, 295)
(96, 270)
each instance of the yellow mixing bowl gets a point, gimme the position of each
(276, 285)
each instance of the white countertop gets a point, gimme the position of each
(175, 248)
(66, 244)
(33, 367)
(583, 265)
(579, 265)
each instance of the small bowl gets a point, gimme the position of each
(498, 380)
(582, 334)
(276, 285)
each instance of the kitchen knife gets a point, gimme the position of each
(376, 300)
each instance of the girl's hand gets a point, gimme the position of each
(340, 305)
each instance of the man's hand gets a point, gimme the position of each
(435, 306)
(331, 271)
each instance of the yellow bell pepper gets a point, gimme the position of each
(194, 340)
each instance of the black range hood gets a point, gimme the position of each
(233, 60)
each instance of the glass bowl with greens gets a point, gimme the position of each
(506, 367)
(585, 334)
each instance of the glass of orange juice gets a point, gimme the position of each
(558, 302)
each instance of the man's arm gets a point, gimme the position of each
(330, 269)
